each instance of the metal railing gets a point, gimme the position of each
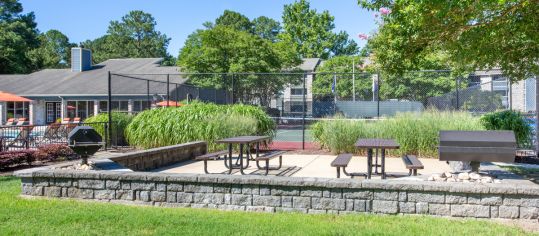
(20, 137)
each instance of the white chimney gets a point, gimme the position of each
(81, 59)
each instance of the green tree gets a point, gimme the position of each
(312, 32)
(18, 35)
(223, 49)
(340, 68)
(54, 50)
(266, 28)
(234, 20)
(134, 36)
(474, 34)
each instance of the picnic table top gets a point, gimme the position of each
(377, 143)
(243, 139)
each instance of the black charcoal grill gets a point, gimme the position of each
(477, 146)
(85, 141)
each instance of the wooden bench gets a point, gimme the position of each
(211, 156)
(267, 157)
(341, 161)
(412, 164)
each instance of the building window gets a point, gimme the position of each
(18, 110)
(81, 109)
(298, 106)
(298, 91)
(474, 80)
(121, 106)
(140, 106)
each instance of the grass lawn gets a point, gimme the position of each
(68, 217)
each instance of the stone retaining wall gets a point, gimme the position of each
(275, 194)
(154, 158)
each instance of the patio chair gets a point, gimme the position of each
(21, 121)
(51, 133)
(63, 129)
(23, 139)
(10, 121)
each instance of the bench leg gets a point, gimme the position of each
(338, 172)
(267, 167)
(410, 172)
(229, 159)
(206, 166)
(415, 172)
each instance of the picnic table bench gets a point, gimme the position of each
(412, 164)
(341, 161)
(267, 157)
(211, 156)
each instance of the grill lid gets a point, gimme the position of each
(84, 135)
(491, 138)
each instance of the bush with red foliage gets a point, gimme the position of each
(53, 152)
(12, 158)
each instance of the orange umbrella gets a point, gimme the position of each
(170, 104)
(8, 97)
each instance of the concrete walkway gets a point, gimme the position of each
(308, 166)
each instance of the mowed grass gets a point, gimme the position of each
(20, 216)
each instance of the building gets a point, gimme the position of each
(518, 96)
(290, 102)
(82, 90)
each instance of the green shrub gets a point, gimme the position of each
(120, 121)
(417, 133)
(509, 120)
(197, 121)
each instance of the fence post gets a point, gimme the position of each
(109, 109)
(378, 95)
(106, 127)
(233, 98)
(536, 114)
(457, 106)
(304, 112)
(168, 90)
(510, 97)
(148, 94)
(177, 95)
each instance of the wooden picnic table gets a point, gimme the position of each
(381, 144)
(242, 141)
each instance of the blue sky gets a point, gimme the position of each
(81, 20)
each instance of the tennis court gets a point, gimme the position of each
(291, 139)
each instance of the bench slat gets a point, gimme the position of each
(341, 160)
(269, 155)
(411, 162)
(211, 155)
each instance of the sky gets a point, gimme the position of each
(82, 19)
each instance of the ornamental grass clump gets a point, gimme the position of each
(197, 122)
(120, 120)
(417, 133)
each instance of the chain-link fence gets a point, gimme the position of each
(297, 100)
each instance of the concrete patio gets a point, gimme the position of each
(307, 166)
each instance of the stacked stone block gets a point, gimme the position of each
(288, 194)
